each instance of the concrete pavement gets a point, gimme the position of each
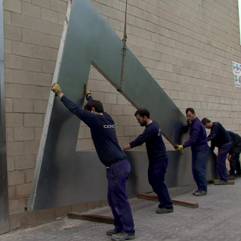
(218, 218)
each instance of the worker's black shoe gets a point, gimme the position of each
(111, 232)
(231, 177)
(221, 182)
(162, 210)
(122, 236)
(200, 193)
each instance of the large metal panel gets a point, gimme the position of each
(64, 176)
(82, 178)
(4, 210)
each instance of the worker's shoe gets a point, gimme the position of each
(200, 193)
(111, 232)
(221, 182)
(231, 177)
(194, 192)
(122, 236)
(162, 210)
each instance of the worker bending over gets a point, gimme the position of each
(158, 159)
(219, 138)
(233, 156)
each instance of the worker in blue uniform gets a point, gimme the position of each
(112, 156)
(233, 156)
(200, 150)
(219, 138)
(158, 159)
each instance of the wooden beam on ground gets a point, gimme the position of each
(175, 201)
(91, 217)
(230, 182)
(185, 203)
(148, 197)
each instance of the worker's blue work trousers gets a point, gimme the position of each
(221, 161)
(199, 160)
(234, 162)
(117, 176)
(156, 177)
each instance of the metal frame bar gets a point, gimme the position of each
(4, 208)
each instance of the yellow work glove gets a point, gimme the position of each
(87, 91)
(178, 147)
(56, 88)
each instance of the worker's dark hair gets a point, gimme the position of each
(96, 104)
(191, 110)
(143, 112)
(205, 121)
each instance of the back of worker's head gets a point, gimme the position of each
(206, 121)
(143, 112)
(96, 104)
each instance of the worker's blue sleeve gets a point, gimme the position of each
(214, 132)
(194, 135)
(86, 116)
(144, 137)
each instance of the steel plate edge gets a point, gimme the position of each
(4, 205)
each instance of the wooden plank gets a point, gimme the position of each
(148, 197)
(91, 217)
(175, 201)
(230, 182)
(185, 203)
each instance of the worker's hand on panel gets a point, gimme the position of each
(87, 91)
(178, 147)
(56, 88)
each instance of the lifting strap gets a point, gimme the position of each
(120, 89)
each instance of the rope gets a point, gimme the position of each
(120, 89)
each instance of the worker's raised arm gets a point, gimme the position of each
(86, 116)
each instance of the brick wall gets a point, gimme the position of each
(187, 45)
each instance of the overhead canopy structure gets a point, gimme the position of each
(66, 177)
